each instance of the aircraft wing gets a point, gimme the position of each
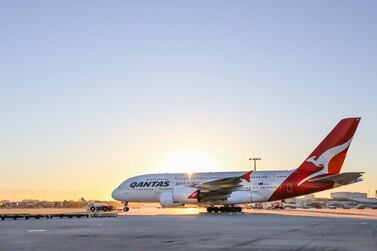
(220, 189)
(341, 178)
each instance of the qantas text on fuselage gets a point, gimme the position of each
(319, 171)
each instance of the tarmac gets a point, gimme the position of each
(269, 230)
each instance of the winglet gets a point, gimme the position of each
(246, 176)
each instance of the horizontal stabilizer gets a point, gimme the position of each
(341, 178)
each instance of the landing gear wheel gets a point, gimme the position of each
(126, 208)
(209, 209)
(216, 209)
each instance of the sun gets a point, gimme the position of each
(188, 161)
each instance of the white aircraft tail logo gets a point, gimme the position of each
(324, 160)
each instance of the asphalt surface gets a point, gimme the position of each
(191, 232)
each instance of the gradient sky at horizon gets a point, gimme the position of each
(93, 92)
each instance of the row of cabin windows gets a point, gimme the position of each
(198, 178)
(267, 187)
(190, 178)
(151, 189)
(243, 188)
(265, 176)
(203, 178)
(165, 188)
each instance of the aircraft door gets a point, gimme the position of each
(289, 187)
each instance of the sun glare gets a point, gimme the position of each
(188, 161)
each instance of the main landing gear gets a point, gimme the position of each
(224, 209)
(126, 208)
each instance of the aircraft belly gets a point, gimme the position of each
(142, 196)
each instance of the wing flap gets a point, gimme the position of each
(220, 189)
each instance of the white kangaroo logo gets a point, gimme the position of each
(324, 160)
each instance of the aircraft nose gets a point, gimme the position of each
(116, 194)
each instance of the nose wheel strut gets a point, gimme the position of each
(125, 208)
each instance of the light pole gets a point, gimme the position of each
(255, 162)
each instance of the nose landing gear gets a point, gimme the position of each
(126, 208)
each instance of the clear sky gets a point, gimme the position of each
(93, 92)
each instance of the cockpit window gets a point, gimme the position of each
(123, 184)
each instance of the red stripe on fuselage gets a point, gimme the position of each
(289, 188)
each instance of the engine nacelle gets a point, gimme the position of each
(166, 200)
(185, 194)
(257, 197)
(239, 197)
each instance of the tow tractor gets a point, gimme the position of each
(95, 207)
(98, 206)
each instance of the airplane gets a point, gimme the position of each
(223, 191)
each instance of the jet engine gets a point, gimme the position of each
(166, 200)
(184, 194)
(257, 197)
(179, 196)
(238, 197)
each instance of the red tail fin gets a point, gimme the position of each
(330, 154)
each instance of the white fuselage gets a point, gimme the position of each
(148, 188)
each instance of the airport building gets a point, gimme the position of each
(348, 195)
(336, 200)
